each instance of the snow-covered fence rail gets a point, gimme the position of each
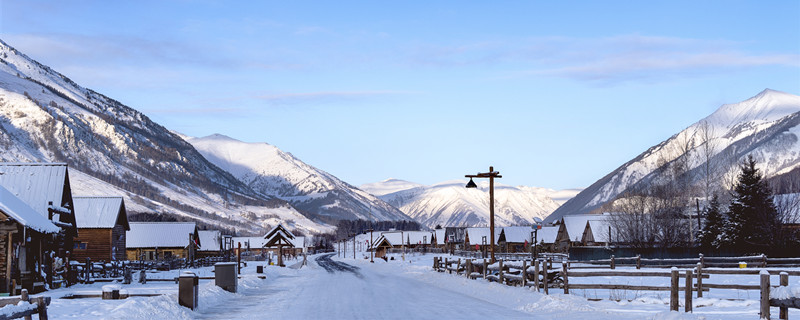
(760, 261)
(12, 308)
(522, 272)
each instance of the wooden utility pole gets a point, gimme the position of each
(491, 175)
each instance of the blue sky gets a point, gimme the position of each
(553, 94)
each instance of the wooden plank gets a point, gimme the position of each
(623, 274)
(749, 271)
(730, 286)
(785, 303)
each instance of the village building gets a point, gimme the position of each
(546, 237)
(571, 229)
(162, 240)
(479, 238)
(438, 238)
(102, 224)
(21, 259)
(597, 233)
(381, 247)
(211, 243)
(279, 237)
(46, 189)
(516, 239)
(408, 239)
(454, 238)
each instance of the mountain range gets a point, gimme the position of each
(765, 126)
(451, 204)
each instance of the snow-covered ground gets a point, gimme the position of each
(399, 289)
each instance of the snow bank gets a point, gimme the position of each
(785, 292)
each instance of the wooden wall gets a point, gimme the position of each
(98, 245)
(136, 253)
(118, 241)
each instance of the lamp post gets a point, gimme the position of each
(471, 184)
(536, 226)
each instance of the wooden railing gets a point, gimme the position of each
(35, 305)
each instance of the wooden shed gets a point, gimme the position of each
(381, 247)
(102, 224)
(20, 260)
(279, 237)
(161, 240)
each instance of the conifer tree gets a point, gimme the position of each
(713, 234)
(752, 216)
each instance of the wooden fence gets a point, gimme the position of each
(35, 305)
(541, 275)
(761, 261)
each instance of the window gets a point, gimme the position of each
(79, 246)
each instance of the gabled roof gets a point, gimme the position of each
(381, 242)
(476, 235)
(100, 212)
(599, 230)
(22, 213)
(299, 242)
(279, 229)
(547, 235)
(408, 237)
(160, 234)
(575, 224)
(518, 234)
(255, 242)
(37, 184)
(210, 240)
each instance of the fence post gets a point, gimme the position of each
(447, 265)
(524, 273)
(566, 278)
(764, 274)
(763, 260)
(500, 274)
(485, 267)
(613, 263)
(468, 268)
(638, 261)
(702, 261)
(544, 278)
(458, 265)
(24, 297)
(673, 290)
(699, 279)
(42, 308)
(434, 264)
(536, 274)
(784, 311)
(688, 292)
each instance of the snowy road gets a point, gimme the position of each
(336, 290)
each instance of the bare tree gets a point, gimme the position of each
(707, 150)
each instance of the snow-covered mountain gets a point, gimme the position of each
(451, 204)
(113, 149)
(765, 126)
(270, 171)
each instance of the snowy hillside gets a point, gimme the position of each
(270, 171)
(451, 204)
(765, 126)
(46, 117)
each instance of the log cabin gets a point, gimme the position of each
(161, 240)
(102, 224)
(23, 236)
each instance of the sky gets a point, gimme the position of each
(553, 94)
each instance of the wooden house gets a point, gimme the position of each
(547, 238)
(23, 238)
(211, 241)
(162, 240)
(102, 224)
(479, 238)
(597, 233)
(46, 189)
(516, 239)
(381, 246)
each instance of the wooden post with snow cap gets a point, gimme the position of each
(447, 265)
(764, 274)
(536, 274)
(458, 265)
(699, 279)
(500, 274)
(24, 297)
(673, 290)
(784, 311)
(524, 273)
(613, 264)
(484, 267)
(688, 292)
(638, 261)
(544, 278)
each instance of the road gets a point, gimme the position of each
(329, 289)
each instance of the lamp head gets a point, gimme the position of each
(471, 184)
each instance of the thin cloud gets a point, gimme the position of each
(324, 97)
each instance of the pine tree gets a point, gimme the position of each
(753, 218)
(713, 234)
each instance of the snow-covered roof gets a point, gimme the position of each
(576, 224)
(210, 240)
(518, 234)
(99, 212)
(440, 234)
(279, 229)
(476, 235)
(299, 242)
(21, 212)
(255, 242)
(159, 234)
(408, 237)
(547, 235)
(600, 230)
(36, 183)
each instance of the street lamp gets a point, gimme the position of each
(471, 184)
